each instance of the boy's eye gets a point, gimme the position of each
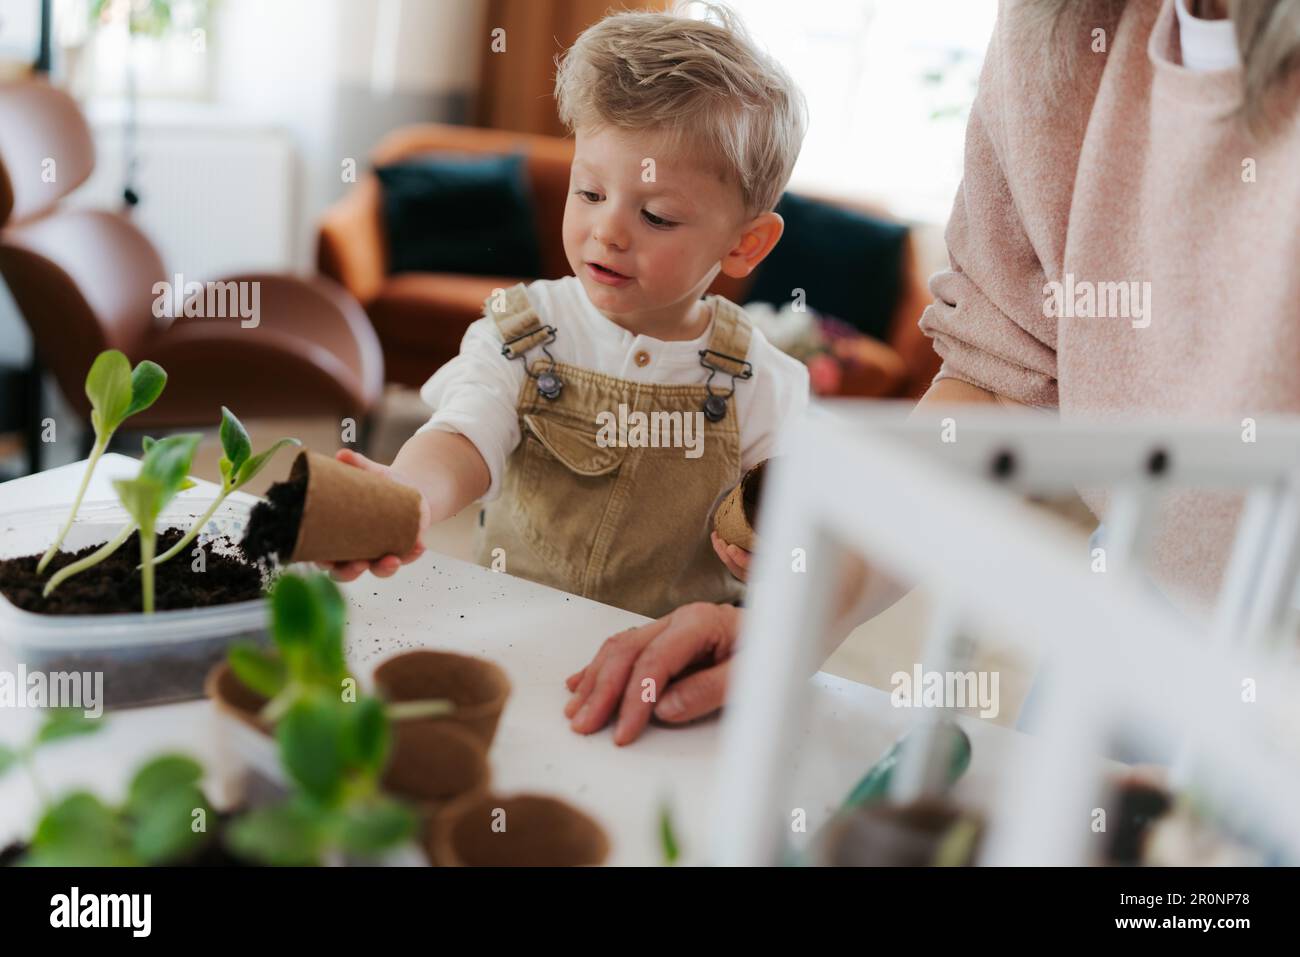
(588, 195)
(654, 220)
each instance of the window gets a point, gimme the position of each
(889, 85)
(159, 46)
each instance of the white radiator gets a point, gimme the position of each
(214, 199)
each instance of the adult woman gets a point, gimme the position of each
(1113, 147)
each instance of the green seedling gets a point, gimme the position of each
(116, 392)
(668, 844)
(158, 823)
(59, 725)
(163, 472)
(163, 820)
(334, 752)
(308, 618)
(238, 467)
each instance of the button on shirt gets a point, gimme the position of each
(476, 393)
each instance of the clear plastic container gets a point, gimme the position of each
(145, 659)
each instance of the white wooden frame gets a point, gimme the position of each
(1127, 661)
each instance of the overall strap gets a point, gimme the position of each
(516, 320)
(729, 343)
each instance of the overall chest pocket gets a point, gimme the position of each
(566, 489)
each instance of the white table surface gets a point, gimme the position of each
(539, 635)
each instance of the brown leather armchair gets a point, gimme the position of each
(84, 281)
(421, 317)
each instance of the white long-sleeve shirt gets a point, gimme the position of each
(475, 394)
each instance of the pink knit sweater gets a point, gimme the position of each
(1132, 177)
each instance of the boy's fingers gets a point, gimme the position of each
(351, 457)
(571, 682)
(739, 555)
(347, 571)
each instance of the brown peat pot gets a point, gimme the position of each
(736, 517)
(523, 830)
(235, 698)
(476, 687)
(433, 762)
(327, 511)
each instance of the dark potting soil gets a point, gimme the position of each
(114, 584)
(273, 525)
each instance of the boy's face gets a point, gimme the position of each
(666, 237)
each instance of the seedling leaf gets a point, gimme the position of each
(65, 723)
(310, 736)
(8, 758)
(234, 441)
(259, 671)
(108, 387)
(163, 829)
(373, 828)
(367, 739)
(248, 471)
(147, 382)
(287, 835)
(169, 772)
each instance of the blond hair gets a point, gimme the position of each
(701, 84)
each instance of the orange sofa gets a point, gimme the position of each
(421, 317)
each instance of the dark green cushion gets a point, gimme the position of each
(848, 264)
(461, 214)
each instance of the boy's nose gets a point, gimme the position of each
(610, 234)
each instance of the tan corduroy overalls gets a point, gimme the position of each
(624, 525)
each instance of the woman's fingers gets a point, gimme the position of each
(695, 695)
(635, 638)
(594, 713)
(571, 682)
(692, 636)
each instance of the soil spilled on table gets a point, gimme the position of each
(114, 584)
(273, 525)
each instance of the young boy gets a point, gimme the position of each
(600, 417)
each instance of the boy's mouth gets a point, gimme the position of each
(604, 274)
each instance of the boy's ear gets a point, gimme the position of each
(758, 237)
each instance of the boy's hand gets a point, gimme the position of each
(388, 564)
(733, 556)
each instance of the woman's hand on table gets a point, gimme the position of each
(675, 668)
(387, 565)
(733, 556)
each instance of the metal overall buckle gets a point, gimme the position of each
(548, 383)
(715, 406)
